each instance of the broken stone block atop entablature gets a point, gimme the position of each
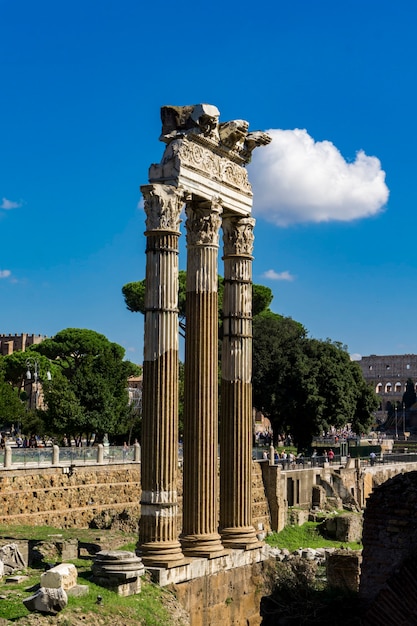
(179, 119)
(206, 158)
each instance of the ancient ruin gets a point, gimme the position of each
(203, 168)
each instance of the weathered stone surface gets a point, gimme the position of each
(11, 557)
(63, 575)
(227, 597)
(390, 538)
(47, 601)
(49, 497)
(343, 569)
(118, 570)
(78, 591)
(346, 528)
(17, 579)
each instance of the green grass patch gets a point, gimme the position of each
(305, 536)
(43, 533)
(129, 547)
(148, 607)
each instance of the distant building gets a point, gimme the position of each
(17, 343)
(388, 376)
(134, 387)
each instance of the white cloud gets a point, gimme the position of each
(9, 204)
(355, 356)
(298, 180)
(5, 273)
(273, 275)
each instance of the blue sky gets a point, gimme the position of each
(82, 84)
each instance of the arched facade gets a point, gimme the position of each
(388, 375)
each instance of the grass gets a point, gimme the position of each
(146, 608)
(305, 536)
(149, 607)
(43, 533)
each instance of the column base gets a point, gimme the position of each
(241, 538)
(161, 554)
(205, 546)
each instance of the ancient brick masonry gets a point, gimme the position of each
(389, 574)
(50, 497)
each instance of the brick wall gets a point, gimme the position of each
(389, 540)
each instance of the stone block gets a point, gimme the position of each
(63, 575)
(45, 600)
(69, 550)
(343, 569)
(349, 528)
(12, 558)
(78, 591)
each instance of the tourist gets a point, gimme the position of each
(372, 457)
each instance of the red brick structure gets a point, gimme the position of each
(389, 567)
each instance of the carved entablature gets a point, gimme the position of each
(163, 204)
(203, 225)
(238, 236)
(205, 156)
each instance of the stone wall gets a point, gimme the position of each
(14, 343)
(227, 597)
(54, 498)
(389, 531)
(389, 572)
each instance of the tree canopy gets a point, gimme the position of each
(12, 409)
(134, 296)
(409, 395)
(89, 393)
(304, 385)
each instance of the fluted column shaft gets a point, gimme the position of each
(200, 490)
(236, 526)
(158, 537)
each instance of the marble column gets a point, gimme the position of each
(200, 535)
(158, 535)
(236, 527)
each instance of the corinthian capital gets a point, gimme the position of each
(163, 204)
(203, 225)
(238, 235)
